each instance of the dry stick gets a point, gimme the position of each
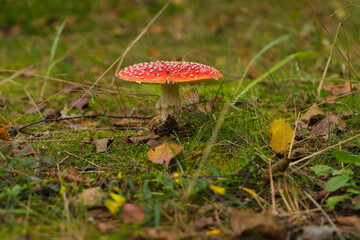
(324, 150)
(293, 138)
(126, 51)
(328, 33)
(33, 102)
(328, 61)
(132, 43)
(338, 233)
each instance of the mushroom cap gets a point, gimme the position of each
(163, 72)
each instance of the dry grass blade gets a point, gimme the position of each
(328, 61)
(15, 75)
(324, 150)
(338, 233)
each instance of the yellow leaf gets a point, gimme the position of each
(62, 190)
(112, 206)
(164, 153)
(251, 191)
(4, 134)
(119, 175)
(120, 200)
(116, 189)
(218, 190)
(213, 232)
(281, 135)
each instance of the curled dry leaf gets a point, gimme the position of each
(4, 134)
(279, 166)
(52, 113)
(142, 138)
(101, 145)
(328, 124)
(132, 213)
(17, 151)
(281, 135)
(164, 153)
(257, 225)
(81, 102)
(73, 175)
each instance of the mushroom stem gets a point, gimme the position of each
(169, 102)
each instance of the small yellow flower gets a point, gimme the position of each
(62, 190)
(119, 175)
(213, 232)
(251, 191)
(112, 206)
(218, 190)
(176, 177)
(120, 200)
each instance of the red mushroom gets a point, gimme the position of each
(169, 75)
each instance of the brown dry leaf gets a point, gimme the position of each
(101, 145)
(339, 89)
(81, 102)
(142, 138)
(313, 114)
(281, 135)
(4, 134)
(164, 153)
(73, 175)
(52, 113)
(191, 96)
(258, 225)
(90, 197)
(32, 109)
(350, 223)
(30, 151)
(203, 222)
(328, 124)
(132, 213)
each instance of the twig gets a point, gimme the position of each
(21, 129)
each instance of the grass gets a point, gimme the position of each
(272, 56)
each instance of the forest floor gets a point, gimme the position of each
(270, 151)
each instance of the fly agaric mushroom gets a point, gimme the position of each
(169, 75)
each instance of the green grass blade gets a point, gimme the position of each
(273, 69)
(55, 44)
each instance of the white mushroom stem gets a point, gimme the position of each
(169, 102)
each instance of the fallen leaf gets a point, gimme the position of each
(258, 225)
(101, 145)
(81, 102)
(32, 109)
(73, 175)
(314, 114)
(133, 213)
(90, 197)
(340, 89)
(17, 151)
(164, 153)
(52, 113)
(203, 222)
(4, 134)
(281, 135)
(328, 124)
(279, 166)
